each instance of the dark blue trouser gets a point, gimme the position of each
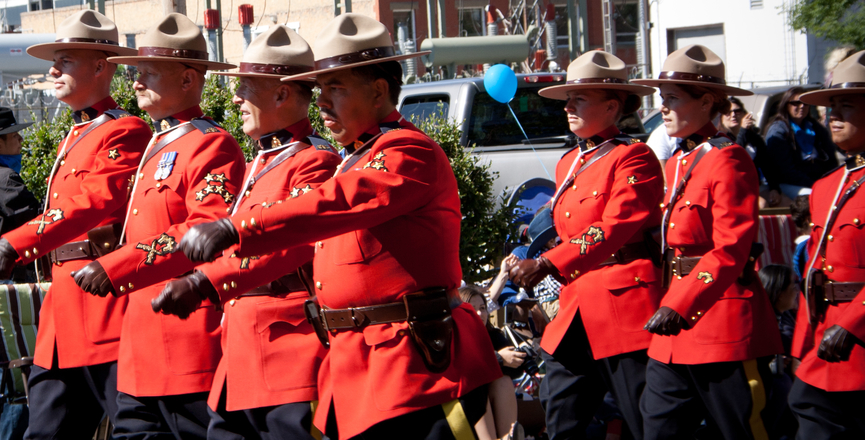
(827, 415)
(288, 421)
(180, 417)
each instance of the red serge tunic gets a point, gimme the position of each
(715, 218)
(612, 203)
(845, 262)
(88, 189)
(192, 180)
(270, 353)
(386, 227)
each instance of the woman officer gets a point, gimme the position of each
(609, 189)
(715, 320)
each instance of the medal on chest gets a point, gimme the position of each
(165, 165)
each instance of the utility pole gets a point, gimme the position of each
(169, 6)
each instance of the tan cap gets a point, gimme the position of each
(848, 78)
(83, 30)
(596, 70)
(277, 52)
(176, 38)
(352, 40)
(694, 65)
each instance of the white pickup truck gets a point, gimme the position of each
(490, 127)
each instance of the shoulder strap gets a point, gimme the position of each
(603, 150)
(205, 125)
(105, 117)
(833, 214)
(117, 113)
(680, 188)
(167, 139)
(360, 152)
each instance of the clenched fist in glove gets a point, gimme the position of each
(93, 279)
(836, 344)
(665, 322)
(531, 271)
(203, 242)
(184, 295)
(8, 255)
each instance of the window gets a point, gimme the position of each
(130, 41)
(756, 4)
(472, 22)
(404, 19)
(418, 108)
(491, 123)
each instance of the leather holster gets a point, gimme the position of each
(652, 238)
(313, 315)
(432, 326)
(104, 239)
(816, 296)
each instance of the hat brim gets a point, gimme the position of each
(309, 76)
(255, 75)
(209, 65)
(541, 240)
(732, 91)
(560, 92)
(45, 51)
(16, 128)
(824, 97)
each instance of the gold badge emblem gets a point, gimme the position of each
(377, 162)
(632, 180)
(690, 144)
(212, 130)
(590, 144)
(113, 154)
(244, 262)
(592, 237)
(85, 117)
(161, 246)
(48, 218)
(215, 185)
(164, 125)
(274, 142)
(860, 161)
(706, 277)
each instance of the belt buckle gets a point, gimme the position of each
(829, 292)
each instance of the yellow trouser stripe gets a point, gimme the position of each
(758, 399)
(313, 431)
(457, 420)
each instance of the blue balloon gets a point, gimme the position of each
(501, 83)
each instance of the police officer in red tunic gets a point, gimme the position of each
(406, 359)
(609, 189)
(715, 320)
(828, 395)
(74, 380)
(265, 385)
(189, 174)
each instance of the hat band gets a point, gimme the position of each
(273, 69)
(86, 40)
(848, 85)
(684, 76)
(597, 81)
(173, 53)
(355, 57)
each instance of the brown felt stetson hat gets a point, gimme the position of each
(694, 65)
(277, 52)
(352, 40)
(596, 70)
(176, 38)
(848, 78)
(83, 30)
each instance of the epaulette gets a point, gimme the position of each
(625, 139)
(720, 142)
(389, 126)
(205, 125)
(319, 143)
(117, 113)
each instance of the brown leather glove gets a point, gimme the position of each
(8, 256)
(184, 295)
(836, 345)
(529, 272)
(93, 279)
(665, 322)
(203, 242)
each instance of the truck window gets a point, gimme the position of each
(420, 107)
(491, 123)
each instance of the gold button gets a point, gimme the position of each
(141, 175)
(855, 222)
(687, 203)
(663, 206)
(247, 193)
(319, 244)
(231, 303)
(106, 245)
(226, 287)
(830, 269)
(637, 279)
(228, 210)
(835, 208)
(62, 162)
(35, 251)
(693, 318)
(672, 226)
(567, 215)
(679, 277)
(122, 289)
(830, 238)
(684, 161)
(699, 313)
(27, 254)
(233, 285)
(582, 161)
(594, 193)
(73, 170)
(131, 286)
(263, 160)
(135, 211)
(575, 274)
(75, 132)
(811, 224)
(54, 195)
(243, 224)
(158, 184)
(252, 222)
(574, 187)
(318, 285)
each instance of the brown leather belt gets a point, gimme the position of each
(682, 266)
(358, 317)
(628, 253)
(841, 292)
(285, 284)
(76, 250)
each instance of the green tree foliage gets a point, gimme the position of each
(837, 20)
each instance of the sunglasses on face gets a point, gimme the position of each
(737, 111)
(796, 103)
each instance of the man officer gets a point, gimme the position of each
(189, 174)
(74, 380)
(828, 393)
(265, 385)
(406, 359)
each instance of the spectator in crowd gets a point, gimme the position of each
(662, 144)
(17, 203)
(801, 213)
(782, 286)
(740, 125)
(502, 397)
(800, 147)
